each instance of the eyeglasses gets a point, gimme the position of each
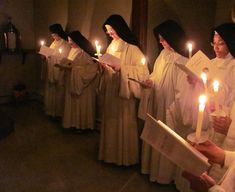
(219, 44)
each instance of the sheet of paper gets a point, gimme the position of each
(174, 147)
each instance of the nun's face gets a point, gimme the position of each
(220, 47)
(72, 43)
(112, 33)
(55, 36)
(164, 43)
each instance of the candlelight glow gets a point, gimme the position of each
(204, 77)
(190, 46)
(143, 60)
(202, 101)
(216, 86)
(42, 43)
(98, 48)
(60, 50)
(190, 49)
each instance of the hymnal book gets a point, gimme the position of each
(110, 60)
(174, 147)
(197, 64)
(46, 51)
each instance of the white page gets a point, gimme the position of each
(46, 51)
(110, 60)
(174, 147)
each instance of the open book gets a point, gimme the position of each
(46, 51)
(174, 147)
(197, 64)
(110, 60)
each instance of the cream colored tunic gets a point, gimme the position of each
(165, 78)
(54, 91)
(80, 82)
(119, 142)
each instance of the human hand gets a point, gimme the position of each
(147, 83)
(214, 153)
(191, 80)
(221, 124)
(199, 184)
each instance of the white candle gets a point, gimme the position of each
(98, 49)
(42, 43)
(216, 90)
(204, 79)
(190, 49)
(201, 107)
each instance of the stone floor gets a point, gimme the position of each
(40, 157)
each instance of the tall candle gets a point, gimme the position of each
(190, 49)
(216, 90)
(201, 107)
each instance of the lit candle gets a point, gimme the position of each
(190, 49)
(216, 90)
(204, 79)
(201, 107)
(98, 49)
(42, 43)
(60, 50)
(143, 61)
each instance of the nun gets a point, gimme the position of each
(54, 91)
(80, 72)
(119, 139)
(164, 85)
(224, 48)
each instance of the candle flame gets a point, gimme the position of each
(96, 43)
(190, 46)
(216, 86)
(42, 43)
(143, 60)
(60, 50)
(204, 77)
(202, 101)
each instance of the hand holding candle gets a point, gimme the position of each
(201, 107)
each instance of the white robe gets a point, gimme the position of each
(119, 140)
(226, 76)
(80, 84)
(54, 91)
(163, 94)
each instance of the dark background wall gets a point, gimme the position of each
(32, 18)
